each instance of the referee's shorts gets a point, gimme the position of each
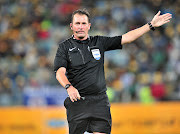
(91, 114)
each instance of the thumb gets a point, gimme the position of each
(159, 12)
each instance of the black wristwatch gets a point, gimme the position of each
(150, 26)
(67, 86)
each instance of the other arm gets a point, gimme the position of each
(158, 20)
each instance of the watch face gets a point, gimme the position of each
(67, 86)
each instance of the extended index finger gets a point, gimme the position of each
(166, 15)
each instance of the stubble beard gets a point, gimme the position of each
(81, 37)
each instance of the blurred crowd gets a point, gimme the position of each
(146, 71)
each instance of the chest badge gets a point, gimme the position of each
(96, 54)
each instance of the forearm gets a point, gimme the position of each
(63, 80)
(158, 20)
(61, 77)
(135, 34)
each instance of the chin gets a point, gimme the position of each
(81, 37)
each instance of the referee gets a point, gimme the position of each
(79, 68)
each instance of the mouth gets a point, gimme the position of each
(80, 32)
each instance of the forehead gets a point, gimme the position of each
(80, 18)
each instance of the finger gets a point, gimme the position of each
(75, 96)
(167, 18)
(71, 99)
(78, 96)
(75, 99)
(165, 22)
(166, 15)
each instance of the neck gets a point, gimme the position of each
(77, 38)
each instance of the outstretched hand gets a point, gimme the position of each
(160, 20)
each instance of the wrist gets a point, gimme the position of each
(152, 22)
(67, 86)
(151, 26)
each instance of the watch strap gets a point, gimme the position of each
(150, 26)
(67, 86)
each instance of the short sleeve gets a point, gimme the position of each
(112, 43)
(60, 58)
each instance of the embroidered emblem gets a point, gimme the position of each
(96, 54)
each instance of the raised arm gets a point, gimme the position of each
(158, 20)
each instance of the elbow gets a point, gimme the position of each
(61, 71)
(126, 39)
(56, 75)
(129, 37)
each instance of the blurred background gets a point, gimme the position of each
(146, 71)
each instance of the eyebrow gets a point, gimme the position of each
(80, 22)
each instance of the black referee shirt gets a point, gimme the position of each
(84, 62)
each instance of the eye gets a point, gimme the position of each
(77, 23)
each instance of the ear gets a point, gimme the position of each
(89, 26)
(71, 26)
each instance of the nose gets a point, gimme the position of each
(81, 26)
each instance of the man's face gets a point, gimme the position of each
(80, 26)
